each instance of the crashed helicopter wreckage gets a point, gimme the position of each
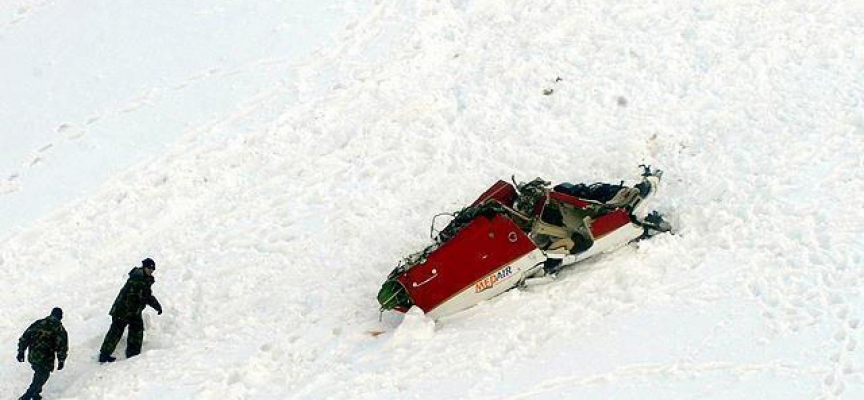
(514, 232)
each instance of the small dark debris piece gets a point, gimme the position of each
(622, 101)
(548, 91)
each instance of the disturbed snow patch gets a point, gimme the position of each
(415, 326)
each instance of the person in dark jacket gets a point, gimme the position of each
(126, 311)
(44, 339)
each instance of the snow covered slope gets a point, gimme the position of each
(272, 229)
(92, 87)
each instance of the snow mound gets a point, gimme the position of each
(416, 326)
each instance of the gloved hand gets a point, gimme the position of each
(158, 309)
(60, 365)
(20, 357)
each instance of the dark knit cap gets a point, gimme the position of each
(148, 263)
(57, 312)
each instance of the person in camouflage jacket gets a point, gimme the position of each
(43, 339)
(126, 311)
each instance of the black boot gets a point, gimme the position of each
(104, 357)
(29, 396)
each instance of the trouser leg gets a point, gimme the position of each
(135, 337)
(115, 332)
(40, 376)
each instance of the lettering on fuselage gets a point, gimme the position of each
(490, 281)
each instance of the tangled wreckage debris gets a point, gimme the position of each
(514, 232)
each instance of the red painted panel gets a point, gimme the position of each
(609, 223)
(501, 191)
(481, 247)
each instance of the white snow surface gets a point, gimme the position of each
(278, 159)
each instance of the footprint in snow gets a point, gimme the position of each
(10, 185)
(72, 132)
